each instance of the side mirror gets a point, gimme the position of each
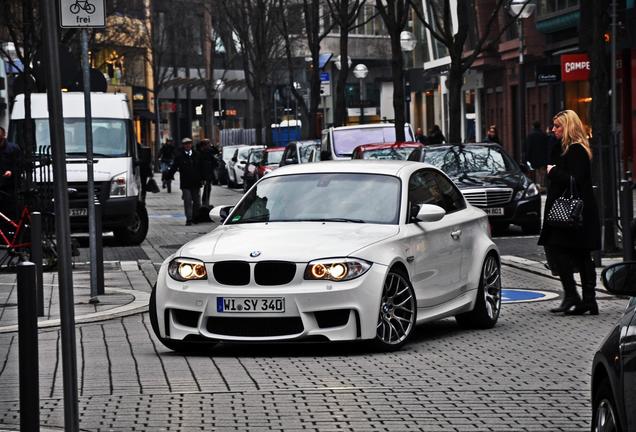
(620, 279)
(430, 213)
(234, 159)
(290, 161)
(219, 214)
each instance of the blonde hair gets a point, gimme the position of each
(573, 131)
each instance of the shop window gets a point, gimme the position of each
(578, 97)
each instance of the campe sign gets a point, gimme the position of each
(82, 13)
(575, 67)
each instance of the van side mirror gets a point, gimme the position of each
(234, 159)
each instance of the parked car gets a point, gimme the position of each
(261, 162)
(386, 151)
(491, 180)
(300, 257)
(614, 364)
(236, 165)
(299, 152)
(338, 142)
(227, 153)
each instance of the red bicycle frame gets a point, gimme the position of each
(12, 240)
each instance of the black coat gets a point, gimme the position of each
(207, 164)
(577, 164)
(9, 161)
(537, 151)
(188, 167)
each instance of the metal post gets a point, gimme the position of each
(62, 224)
(220, 116)
(88, 123)
(99, 255)
(626, 208)
(28, 348)
(521, 97)
(36, 258)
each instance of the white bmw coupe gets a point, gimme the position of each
(332, 251)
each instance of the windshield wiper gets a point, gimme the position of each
(333, 220)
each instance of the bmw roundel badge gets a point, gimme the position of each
(254, 254)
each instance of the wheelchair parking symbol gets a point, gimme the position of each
(511, 295)
(82, 13)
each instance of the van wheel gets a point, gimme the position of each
(135, 232)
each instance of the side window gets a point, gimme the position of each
(453, 199)
(292, 154)
(423, 189)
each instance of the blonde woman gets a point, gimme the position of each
(572, 247)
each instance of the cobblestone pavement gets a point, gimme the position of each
(529, 373)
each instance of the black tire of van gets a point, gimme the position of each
(135, 232)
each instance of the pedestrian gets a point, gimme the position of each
(537, 153)
(166, 156)
(186, 162)
(9, 159)
(492, 136)
(420, 137)
(207, 165)
(145, 168)
(435, 135)
(571, 247)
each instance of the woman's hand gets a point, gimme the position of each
(550, 167)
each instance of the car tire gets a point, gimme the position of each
(135, 232)
(488, 303)
(604, 413)
(532, 228)
(174, 345)
(398, 312)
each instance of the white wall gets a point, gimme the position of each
(386, 101)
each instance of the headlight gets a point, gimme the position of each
(118, 185)
(530, 191)
(185, 269)
(336, 269)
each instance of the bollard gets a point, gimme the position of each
(100, 248)
(626, 204)
(596, 255)
(36, 258)
(28, 348)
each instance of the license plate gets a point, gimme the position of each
(77, 212)
(498, 211)
(250, 304)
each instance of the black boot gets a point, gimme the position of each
(563, 265)
(568, 302)
(588, 281)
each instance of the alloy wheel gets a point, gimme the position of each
(605, 417)
(491, 277)
(397, 310)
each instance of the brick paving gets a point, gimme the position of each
(530, 373)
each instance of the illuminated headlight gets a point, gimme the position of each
(118, 185)
(336, 269)
(530, 191)
(185, 269)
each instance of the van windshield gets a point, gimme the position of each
(345, 140)
(109, 137)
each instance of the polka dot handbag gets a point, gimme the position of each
(566, 211)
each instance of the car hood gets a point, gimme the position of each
(285, 241)
(506, 179)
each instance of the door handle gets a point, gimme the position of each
(456, 234)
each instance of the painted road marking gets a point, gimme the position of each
(511, 295)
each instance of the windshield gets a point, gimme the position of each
(273, 158)
(110, 137)
(345, 140)
(392, 153)
(339, 197)
(469, 160)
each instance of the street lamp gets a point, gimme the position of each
(338, 62)
(219, 85)
(360, 71)
(407, 44)
(521, 10)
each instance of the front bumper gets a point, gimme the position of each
(522, 212)
(116, 213)
(333, 311)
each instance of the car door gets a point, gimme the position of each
(250, 168)
(433, 248)
(628, 353)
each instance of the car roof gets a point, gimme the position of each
(387, 167)
(380, 146)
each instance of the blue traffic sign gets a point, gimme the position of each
(324, 76)
(509, 295)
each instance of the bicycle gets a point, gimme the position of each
(83, 5)
(15, 239)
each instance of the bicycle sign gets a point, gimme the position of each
(82, 13)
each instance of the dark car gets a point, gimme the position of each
(298, 152)
(386, 151)
(491, 180)
(614, 365)
(260, 161)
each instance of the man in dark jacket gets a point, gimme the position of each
(186, 162)
(9, 158)
(435, 136)
(537, 152)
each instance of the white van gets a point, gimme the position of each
(338, 142)
(115, 167)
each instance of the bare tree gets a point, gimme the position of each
(439, 23)
(344, 14)
(261, 50)
(395, 14)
